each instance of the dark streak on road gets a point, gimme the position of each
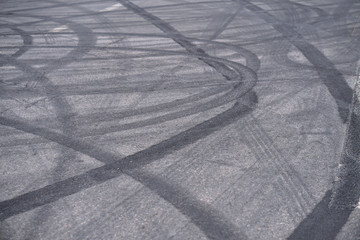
(331, 77)
(180, 39)
(326, 219)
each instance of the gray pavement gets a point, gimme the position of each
(179, 119)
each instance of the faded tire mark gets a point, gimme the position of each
(331, 77)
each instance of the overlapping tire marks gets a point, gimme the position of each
(289, 182)
(254, 64)
(230, 94)
(27, 41)
(322, 222)
(181, 199)
(235, 93)
(62, 108)
(351, 55)
(206, 127)
(125, 165)
(179, 38)
(331, 77)
(330, 215)
(346, 191)
(209, 220)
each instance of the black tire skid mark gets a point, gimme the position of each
(102, 19)
(312, 32)
(219, 24)
(86, 42)
(309, 203)
(281, 184)
(86, 39)
(280, 54)
(290, 178)
(332, 78)
(27, 41)
(215, 227)
(92, 118)
(296, 195)
(350, 53)
(322, 223)
(168, 172)
(184, 201)
(252, 61)
(70, 142)
(56, 191)
(222, 25)
(320, 12)
(346, 190)
(81, 90)
(217, 33)
(339, 14)
(66, 141)
(62, 109)
(180, 39)
(253, 148)
(287, 182)
(330, 215)
(236, 92)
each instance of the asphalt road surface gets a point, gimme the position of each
(179, 119)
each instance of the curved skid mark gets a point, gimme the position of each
(237, 92)
(58, 190)
(180, 39)
(322, 223)
(27, 41)
(221, 23)
(208, 219)
(346, 190)
(332, 78)
(61, 106)
(102, 116)
(281, 54)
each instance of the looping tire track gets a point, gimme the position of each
(331, 77)
(61, 106)
(323, 222)
(212, 225)
(227, 230)
(27, 41)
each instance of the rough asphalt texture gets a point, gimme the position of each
(179, 119)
